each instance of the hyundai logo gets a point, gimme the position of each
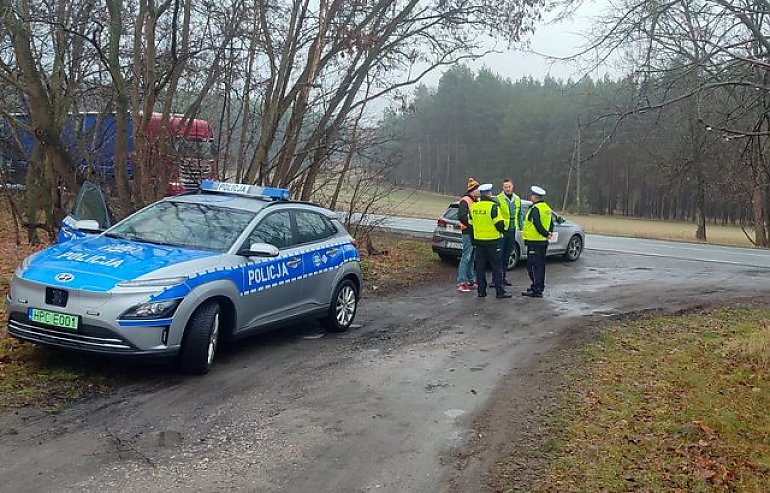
(64, 277)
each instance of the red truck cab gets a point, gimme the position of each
(194, 158)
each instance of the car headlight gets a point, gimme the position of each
(152, 283)
(152, 310)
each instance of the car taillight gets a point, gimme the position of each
(441, 223)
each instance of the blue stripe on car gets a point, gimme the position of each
(267, 273)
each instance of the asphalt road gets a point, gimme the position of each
(653, 248)
(387, 406)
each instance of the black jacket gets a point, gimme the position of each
(462, 215)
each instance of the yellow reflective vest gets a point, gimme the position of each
(530, 232)
(483, 222)
(505, 209)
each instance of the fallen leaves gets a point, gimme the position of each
(660, 405)
(405, 262)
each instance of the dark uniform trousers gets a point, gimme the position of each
(487, 252)
(507, 244)
(536, 251)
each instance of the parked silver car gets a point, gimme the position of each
(183, 273)
(447, 238)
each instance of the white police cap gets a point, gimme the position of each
(487, 187)
(537, 190)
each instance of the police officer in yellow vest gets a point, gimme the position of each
(538, 227)
(488, 226)
(510, 209)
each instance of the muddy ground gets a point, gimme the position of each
(424, 395)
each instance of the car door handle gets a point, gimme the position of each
(293, 263)
(332, 251)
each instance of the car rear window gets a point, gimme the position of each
(452, 213)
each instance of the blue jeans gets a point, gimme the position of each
(465, 269)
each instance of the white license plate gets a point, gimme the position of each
(454, 244)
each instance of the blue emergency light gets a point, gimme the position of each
(245, 190)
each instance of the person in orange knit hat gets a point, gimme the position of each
(466, 277)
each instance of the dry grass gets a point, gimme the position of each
(404, 262)
(670, 404)
(659, 230)
(29, 374)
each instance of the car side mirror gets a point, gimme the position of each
(261, 250)
(87, 226)
(559, 219)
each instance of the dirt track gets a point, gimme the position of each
(388, 406)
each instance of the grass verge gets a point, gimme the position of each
(660, 230)
(404, 262)
(29, 374)
(32, 375)
(676, 403)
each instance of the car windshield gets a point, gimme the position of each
(184, 225)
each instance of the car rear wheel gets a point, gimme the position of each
(342, 310)
(201, 339)
(574, 248)
(514, 258)
(450, 259)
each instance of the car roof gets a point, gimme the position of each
(251, 204)
(245, 203)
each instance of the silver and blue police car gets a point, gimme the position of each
(184, 273)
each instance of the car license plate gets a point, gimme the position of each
(454, 244)
(54, 319)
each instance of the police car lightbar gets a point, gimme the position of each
(244, 189)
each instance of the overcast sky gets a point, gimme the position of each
(560, 40)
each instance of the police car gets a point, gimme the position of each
(184, 273)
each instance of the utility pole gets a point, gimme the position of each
(577, 170)
(419, 153)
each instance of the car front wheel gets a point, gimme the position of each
(201, 339)
(343, 307)
(574, 249)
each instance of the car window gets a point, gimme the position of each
(452, 213)
(312, 226)
(274, 229)
(185, 225)
(90, 205)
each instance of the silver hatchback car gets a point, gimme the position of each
(182, 274)
(447, 238)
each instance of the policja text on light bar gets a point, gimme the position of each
(245, 189)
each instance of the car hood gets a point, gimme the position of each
(99, 263)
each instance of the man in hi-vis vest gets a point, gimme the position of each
(538, 228)
(487, 223)
(510, 209)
